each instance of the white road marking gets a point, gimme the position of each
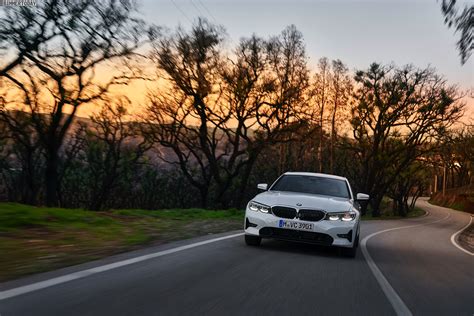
(455, 235)
(394, 299)
(84, 273)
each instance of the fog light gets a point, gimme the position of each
(249, 223)
(347, 236)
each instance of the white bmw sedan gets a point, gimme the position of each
(306, 207)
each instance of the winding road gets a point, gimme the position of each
(404, 267)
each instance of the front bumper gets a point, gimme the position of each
(324, 232)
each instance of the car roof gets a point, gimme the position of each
(314, 174)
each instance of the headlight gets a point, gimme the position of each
(257, 207)
(342, 216)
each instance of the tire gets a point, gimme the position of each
(349, 252)
(356, 242)
(253, 240)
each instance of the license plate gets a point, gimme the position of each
(295, 225)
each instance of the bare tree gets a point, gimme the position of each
(321, 95)
(408, 186)
(213, 103)
(463, 22)
(185, 118)
(55, 51)
(24, 156)
(113, 144)
(266, 91)
(398, 111)
(341, 86)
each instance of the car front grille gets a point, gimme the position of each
(284, 212)
(311, 215)
(304, 214)
(296, 235)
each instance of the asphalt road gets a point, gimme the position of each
(416, 258)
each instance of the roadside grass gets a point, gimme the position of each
(181, 214)
(38, 239)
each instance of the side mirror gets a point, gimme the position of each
(362, 197)
(262, 186)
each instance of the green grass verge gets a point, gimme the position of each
(37, 239)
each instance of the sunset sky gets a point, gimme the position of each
(357, 32)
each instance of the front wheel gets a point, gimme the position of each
(349, 252)
(252, 240)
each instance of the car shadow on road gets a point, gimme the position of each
(305, 249)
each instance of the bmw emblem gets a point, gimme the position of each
(299, 204)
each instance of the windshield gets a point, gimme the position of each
(312, 185)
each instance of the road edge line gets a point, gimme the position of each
(84, 273)
(397, 303)
(395, 300)
(456, 234)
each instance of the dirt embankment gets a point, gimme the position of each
(461, 199)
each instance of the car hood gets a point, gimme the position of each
(320, 202)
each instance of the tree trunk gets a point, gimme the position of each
(245, 179)
(333, 136)
(363, 207)
(99, 199)
(400, 206)
(222, 200)
(51, 177)
(320, 147)
(395, 205)
(331, 151)
(203, 191)
(375, 204)
(31, 188)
